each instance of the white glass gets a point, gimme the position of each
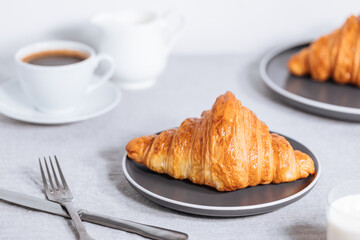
(343, 212)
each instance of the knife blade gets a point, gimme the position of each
(33, 203)
(100, 219)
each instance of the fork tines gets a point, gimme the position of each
(58, 186)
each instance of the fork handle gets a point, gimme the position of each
(133, 227)
(80, 228)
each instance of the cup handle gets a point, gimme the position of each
(173, 23)
(106, 75)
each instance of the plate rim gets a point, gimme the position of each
(65, 120)
(299, 99)
(217, 208)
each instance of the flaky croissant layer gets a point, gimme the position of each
(227, 148)
(336, 56)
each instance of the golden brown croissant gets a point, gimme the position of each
(336, 56)
(228, 148)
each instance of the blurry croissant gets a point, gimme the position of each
(336, 56)
(228, 148)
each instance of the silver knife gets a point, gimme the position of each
(107, 221)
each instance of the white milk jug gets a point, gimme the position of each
(139, 42)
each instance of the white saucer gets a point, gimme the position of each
(15, 104)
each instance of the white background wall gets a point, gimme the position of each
(213, 26)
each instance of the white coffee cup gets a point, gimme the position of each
(59, 89)
(139, 42)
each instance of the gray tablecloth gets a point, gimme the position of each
(91, 151)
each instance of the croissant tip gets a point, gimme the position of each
(307, 166)
(138, 147)
(228, 94)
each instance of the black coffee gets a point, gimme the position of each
(55, 57)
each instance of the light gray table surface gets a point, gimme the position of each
(91, 151)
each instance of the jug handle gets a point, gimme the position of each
(173, 23)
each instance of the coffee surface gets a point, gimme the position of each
(57, 57)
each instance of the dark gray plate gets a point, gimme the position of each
(327, 98)
(187, 197)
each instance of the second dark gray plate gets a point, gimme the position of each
(327, 98)
(182, 195)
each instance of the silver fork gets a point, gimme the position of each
(61, 194)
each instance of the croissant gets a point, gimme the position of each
(227, 148)
(336, 56)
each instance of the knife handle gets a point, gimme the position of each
(133, 227)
